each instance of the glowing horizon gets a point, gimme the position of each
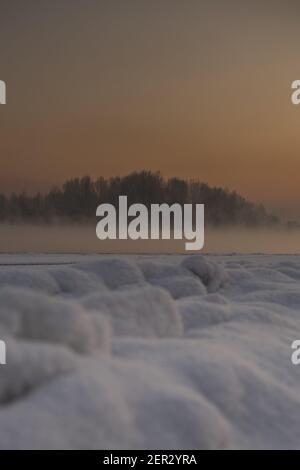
(191, 90)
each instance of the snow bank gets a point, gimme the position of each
(199, 314)
(177, 280)
(31, 365)
(75, 282)
(118, 405)
(144, 312)
(180, 286)
(211, 274)
(115, 273)
(156, 269)
(30, 278)
(199, 357)
(35, 316)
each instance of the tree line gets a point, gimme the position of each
(78, 199)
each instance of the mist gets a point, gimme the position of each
(67, 238)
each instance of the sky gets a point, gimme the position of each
(196, 89)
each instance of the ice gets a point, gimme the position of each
(150, 352)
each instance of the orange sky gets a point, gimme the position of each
(190, 88)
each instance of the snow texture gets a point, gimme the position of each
(151, 352)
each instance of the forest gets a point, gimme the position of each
(77, 199)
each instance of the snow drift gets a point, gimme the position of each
(151, 352)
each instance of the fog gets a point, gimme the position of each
(82, 239)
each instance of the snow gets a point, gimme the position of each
(151, 352)
(144, 312)
(34, 316)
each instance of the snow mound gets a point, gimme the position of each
(114, 273)
(199, 353)
(180, 286)
(106, 407)
(270, 275)
(211, 274)
(30, 366)
(35, 316)
(156, 270)
(197, 314)
(29, 279)
(144, 312)
(76, 282)
(290, 272)
(289, 298)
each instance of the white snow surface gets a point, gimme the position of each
(150, 352)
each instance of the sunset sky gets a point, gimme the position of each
(191, 88)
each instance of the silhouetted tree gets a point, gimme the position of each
(79, 197)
